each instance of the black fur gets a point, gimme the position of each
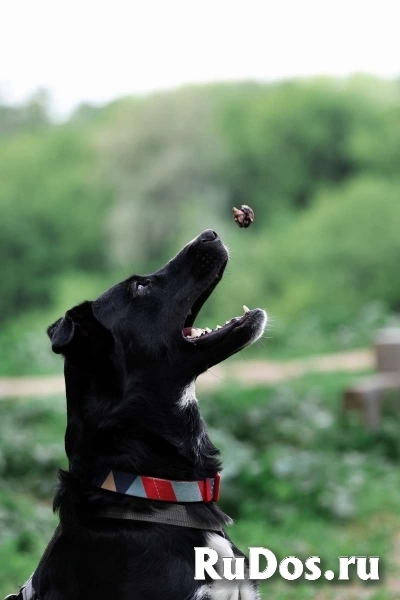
(126, 365)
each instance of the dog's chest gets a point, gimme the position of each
(224, 589)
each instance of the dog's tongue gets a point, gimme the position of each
(187, 331)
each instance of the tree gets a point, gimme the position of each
(52, 215)
(164, 160)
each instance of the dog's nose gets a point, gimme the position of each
(208, 235)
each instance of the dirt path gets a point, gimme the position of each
(245, 372)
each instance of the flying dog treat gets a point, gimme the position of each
(243, 217)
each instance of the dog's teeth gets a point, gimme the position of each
(245, 309)
(208, 330)
(218, 327)
(196, 332)
(226, 322)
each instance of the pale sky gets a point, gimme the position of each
(97, 50)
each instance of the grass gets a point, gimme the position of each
(298, 480)
(372, 536)
(31, 449)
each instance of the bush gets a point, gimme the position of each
(287, 139)
(289, 451)
(338, 257)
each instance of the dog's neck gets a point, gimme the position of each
(148, 426)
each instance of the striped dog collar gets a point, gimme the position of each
(153, 488)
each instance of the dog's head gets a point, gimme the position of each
(145, 324)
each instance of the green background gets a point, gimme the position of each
(119, 189)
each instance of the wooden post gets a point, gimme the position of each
(387, 350)
(366, 395)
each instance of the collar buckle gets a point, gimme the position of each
(217, 485)
(211, 487)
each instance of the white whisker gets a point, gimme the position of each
(218, 377)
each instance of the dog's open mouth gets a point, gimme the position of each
(197, 334)
(194, 333)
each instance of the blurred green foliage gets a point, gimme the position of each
(298, 478)
(52, 214)
(120, 188)
(290, 452)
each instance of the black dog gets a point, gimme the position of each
(131, 359)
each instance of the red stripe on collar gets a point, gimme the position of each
(154, 488)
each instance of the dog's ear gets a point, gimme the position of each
(61, 333)
(78, 330)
